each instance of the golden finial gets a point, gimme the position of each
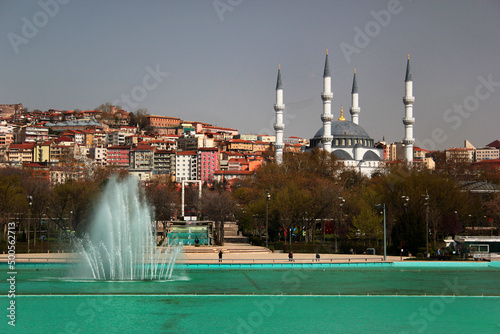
(326, 51)
(355, 70)
(279, 66)
(341, 118)
(408, 56)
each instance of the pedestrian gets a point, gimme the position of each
(290, 256)
(317, 256)
(220, 255)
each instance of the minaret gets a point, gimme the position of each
(279, 126)
(354, 100)
(408, 120)
(327, 116)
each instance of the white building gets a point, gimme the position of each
(186, 166)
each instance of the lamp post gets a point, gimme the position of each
(426, 204)
(406, 200)
(268, 198)
(385, 234)
(342, 201)
(30, 202)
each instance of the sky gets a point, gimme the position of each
(216, 61)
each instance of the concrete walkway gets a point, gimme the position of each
(232, 253)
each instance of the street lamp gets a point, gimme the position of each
(30, 202)
(426, 204)
(268, 198)
(342, 201)
(405, 205)
(385, 235)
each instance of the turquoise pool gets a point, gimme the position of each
(311, 298)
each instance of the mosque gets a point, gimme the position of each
(347, 140)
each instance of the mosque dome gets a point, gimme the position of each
(345, 129)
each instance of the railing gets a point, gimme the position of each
(282, 261)
(216, 260)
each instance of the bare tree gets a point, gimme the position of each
(220, 207)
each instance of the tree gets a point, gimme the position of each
(220, 207)
(139, 118)
(409, 232)
(70, 204)
(12, 197)
(107, 107)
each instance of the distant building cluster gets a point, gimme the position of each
(62, 145)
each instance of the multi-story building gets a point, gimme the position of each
(268, 139)
(41, 152)
(116, 138)
(230, 175)
(99, 155)
(486, 153)
(163, 124)
(194, 141)
(142, 162)
(186, 166)
(118, 156)
(208, 163)
(6, 138)
(61, 152)
(20, 153)
(31, 134)
(239, 145)
(459, 155)
(164, 163)
(62, 174)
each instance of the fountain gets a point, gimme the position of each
(122, 241)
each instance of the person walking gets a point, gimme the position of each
(290, 256)
(220, 255)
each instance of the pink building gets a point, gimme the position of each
(208, 163)
(118, 156)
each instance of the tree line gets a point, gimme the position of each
(309, 198)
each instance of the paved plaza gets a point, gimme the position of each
(232, 253)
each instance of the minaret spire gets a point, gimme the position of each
(354, 100)
(408, 73)
(327, 116)
(408, 120)
(279, 126)
(279, 85)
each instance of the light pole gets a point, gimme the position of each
(405, 205)
(30, 202)
(385, 234)
(268, 198)
(426, 204)
(342, 201)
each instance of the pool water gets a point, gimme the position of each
(348, 298)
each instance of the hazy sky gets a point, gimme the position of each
(216, 61)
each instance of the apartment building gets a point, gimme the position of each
(459, 155)
(486, 153)
(118, 156)
(208, 163)
(186, 166)
(164, 163)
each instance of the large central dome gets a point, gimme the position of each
(345, 129)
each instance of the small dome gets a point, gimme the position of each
(371, 156)
(342, 155)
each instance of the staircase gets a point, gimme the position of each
(231, 234)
